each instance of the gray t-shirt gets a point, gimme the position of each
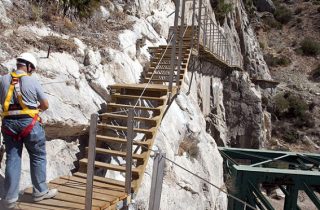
(31, 90)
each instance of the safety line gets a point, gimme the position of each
(203, 179)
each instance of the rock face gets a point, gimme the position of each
(245, 42)
(243, 111)
(232, 106)
(3, 14)
(221, 108)
(183, 122)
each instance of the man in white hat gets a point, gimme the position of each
(20, 94)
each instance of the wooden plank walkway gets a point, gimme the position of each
(106, 194)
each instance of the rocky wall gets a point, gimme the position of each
(219, 108)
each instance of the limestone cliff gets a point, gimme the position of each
(222, 108)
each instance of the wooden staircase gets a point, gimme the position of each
(149, 100)
(112, 127)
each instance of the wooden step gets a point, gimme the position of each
(167, 68)
(153, 64)
(158, 58)
(189, 30)
(170, 47)
(125, 128)
(160, 80)
(149, 74)
(169, 52)
(168, 55)
(164, 72)
(106, 180)
(161, 51)
(114, 105)
(101, 179)
(117, 153)
(105, 116)
(152, 87)
(108, 166)
(111, 139)
(118, 95)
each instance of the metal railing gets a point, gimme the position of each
(92, 155)
(207, 35)
(212, 38)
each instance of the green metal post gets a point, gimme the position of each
(290, 202)
(313, 197)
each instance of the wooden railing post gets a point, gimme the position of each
(181, 34)
(192, 24)
(205, 27)
(128, 179)
(209, 44)
(156, 183)
(199, 24)
(224, 49)
(91, 160)
(173, 48)
(217, 42)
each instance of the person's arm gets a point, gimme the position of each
(42, 98)
(44, 105)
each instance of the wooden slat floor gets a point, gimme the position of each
(72, 195)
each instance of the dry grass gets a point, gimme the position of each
(190, 146)
(94, 30)
(59, 44)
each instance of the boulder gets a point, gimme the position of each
(105, 14)
(3, 15)
(265, 6)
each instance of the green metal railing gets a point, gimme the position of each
(289, 171)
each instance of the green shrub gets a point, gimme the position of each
(281, 104)
(221, 9)
(69, 8)
(306, 120)
(316, 2)
(310, 47)
(81, 8)
(298, 10)
(270, 21)
(297, 107)
(291, 136)
(276, 61)
(283, 61)
(299, 20)
(289, 105)
(283, 14)
(36, 13)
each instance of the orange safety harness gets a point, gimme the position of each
(24, 110)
